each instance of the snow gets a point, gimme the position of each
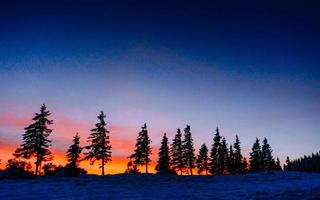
(272, 185)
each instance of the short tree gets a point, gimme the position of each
(74, 151)
(99, 147)
(163, 165)
(35, 142)
(142, 151)
(255, 157)
(202, 160)
(131, 168)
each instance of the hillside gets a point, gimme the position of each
(273, 185)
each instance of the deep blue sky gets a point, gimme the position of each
(252, 69)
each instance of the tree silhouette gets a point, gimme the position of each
(202, 160)
(214, 156)
(163, 165)
(188, 149)
(131, 168)
(177, 161)
(99, 148)
(74, 151)
(255, 157)
(142, 152)
(35, 142)
(231, 161)
(237, 156)
(267, 159)
(223, 157)
(278, 165)
(304, 164)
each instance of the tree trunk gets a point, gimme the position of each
(37, 165)
(102, 166)
(191, 171)
(180, 171)
(146, 167)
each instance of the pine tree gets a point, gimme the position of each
(202, 160)
(223, 157)
(163, 165)
(231, 161)
(237, 156)
(255, 157)
(188, 149)
(142, 150)
(73, 153)
(267, 160)
(99, 148)
(35, 140)
(177, 161)
(214, 157)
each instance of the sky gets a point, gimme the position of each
(250, 69)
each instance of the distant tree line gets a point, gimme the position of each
(309, 163)
(179, 157)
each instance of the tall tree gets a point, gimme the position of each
(177, 161)
(237, 156)
(267, 159)
(163, 165)
(255, 157)
(142, 152)
(73, 153)
(214, 157)
(188, 149)
(35, 142)
(202, 160)
(99, 148)
(223, 157)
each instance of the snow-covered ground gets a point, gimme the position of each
(274, 185)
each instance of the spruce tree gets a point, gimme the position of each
(267, 160)
(231, 159)
(237, 156)
(214, 157)
(177, 161)
(99, 148)
(35, 140)
(223, 157)
(142, 152)
(255, 157)
(202, 160)
(163, 165)
(73, 154)
(188, 149)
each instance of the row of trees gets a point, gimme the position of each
(309, 163)
(180, 157)
(177, 157)
(35, 144)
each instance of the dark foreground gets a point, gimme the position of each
(273, 185)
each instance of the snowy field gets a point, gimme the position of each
(273, 186)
